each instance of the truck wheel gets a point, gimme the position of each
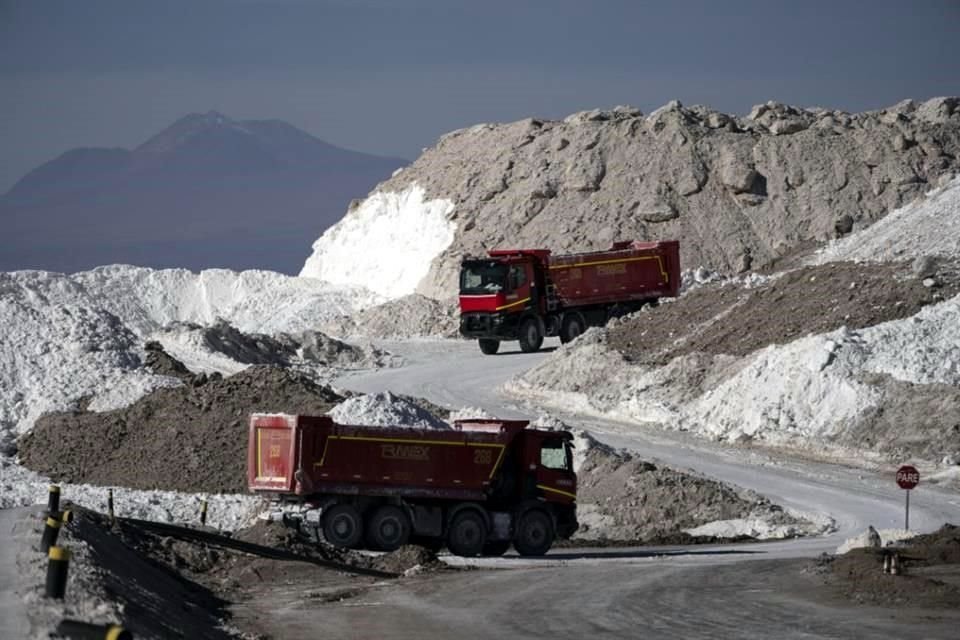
(467, 534)
(534, 535)
(496, 548)
(388, 529)
(530, 336)
(572, 327)
(489, 346)
(343, 526)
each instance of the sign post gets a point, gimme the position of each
(907, 478)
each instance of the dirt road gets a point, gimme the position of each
(616, 596)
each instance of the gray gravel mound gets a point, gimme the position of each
(282, 349)
(248, 348)
(738, 192)
(320, 348)
(623, 498)
(410, 316)
(163, 364)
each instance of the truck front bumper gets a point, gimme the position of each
(487, 325)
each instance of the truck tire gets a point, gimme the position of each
(496, 548)
(573, 326)
(343, 526)
(489, 346)
(530, 336)
(534, 535)
(467, 534)
(388, 529)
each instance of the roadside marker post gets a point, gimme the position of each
(87, 631)
(53, 500)
(57, 565)
(907, 478)
(51, 530)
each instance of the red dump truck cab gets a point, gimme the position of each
(478, 487)
(529, 294)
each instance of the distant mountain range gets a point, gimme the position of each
(206, 192)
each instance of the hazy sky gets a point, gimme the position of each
(390, 76)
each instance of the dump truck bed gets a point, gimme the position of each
(629, 271)
(304, 455)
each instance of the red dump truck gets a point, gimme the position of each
(478, 487)
(527, 294)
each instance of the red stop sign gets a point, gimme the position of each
(908, 477)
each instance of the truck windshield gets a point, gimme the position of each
(482, 277)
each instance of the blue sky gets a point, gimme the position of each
(391, 77)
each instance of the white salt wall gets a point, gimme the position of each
(795, 393)
(68, 336)
(57, 345)
(385, 245)
(928, 226)
(252, 301)
(20, 487)
(809, 387)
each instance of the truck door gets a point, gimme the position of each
(520, 295)
(555, 477)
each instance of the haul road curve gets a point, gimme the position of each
(744, 591)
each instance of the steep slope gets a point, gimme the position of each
(206, 192)
(739, 193)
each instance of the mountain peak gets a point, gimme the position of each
(186, 128)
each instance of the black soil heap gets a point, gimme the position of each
(191, 438)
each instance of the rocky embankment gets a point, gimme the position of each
(739, 193)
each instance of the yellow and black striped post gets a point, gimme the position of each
(57, 565)
(53, 500)
(51, 530)
(203, 512)
(87, 631)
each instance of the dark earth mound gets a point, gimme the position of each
(163, 364)
(643, 503)
(736, 321)
(929, 578)
(191, 438)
